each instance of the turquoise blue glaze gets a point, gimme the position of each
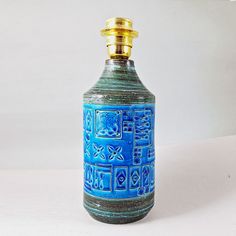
(118, 145)
(119, 150)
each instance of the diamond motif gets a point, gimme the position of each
(121, 176)
(135, 177)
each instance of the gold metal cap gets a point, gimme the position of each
(119, 37)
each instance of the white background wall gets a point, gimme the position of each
(51, 52)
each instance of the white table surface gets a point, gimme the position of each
(196, 195)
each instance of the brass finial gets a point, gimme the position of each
(119, 37)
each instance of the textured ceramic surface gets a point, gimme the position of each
(119, 84)
(119, 148)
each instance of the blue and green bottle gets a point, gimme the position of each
(119, 149)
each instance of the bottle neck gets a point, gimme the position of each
(120, 63)
(121, 68)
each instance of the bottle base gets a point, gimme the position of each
(116, 220)
(118, 211)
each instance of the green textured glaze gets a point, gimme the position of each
(119, 84)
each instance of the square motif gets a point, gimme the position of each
(108, 124)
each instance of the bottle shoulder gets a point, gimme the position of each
(135, 93)
(119, 84)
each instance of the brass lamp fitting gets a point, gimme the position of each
(119, 35)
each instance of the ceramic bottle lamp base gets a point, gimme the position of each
(119, 150)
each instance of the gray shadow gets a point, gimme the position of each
(193, 177)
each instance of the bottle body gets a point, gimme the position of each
(119, 152)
